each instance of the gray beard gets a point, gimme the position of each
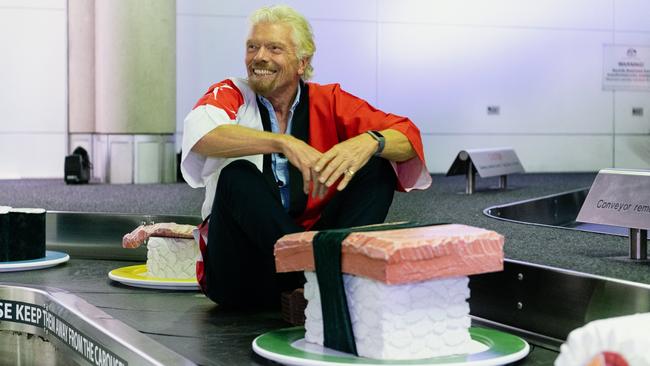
(262, 89)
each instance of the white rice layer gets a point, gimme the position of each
(409, 321)
(172, 257)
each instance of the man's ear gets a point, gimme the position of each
(302, 65)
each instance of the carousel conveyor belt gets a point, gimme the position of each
(128, 325)
(554, 280)
(556, 210)
(135, 325)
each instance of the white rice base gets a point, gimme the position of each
(172, 257)
(409, 321)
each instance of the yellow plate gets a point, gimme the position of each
(137, 276)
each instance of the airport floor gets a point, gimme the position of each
(193, 326)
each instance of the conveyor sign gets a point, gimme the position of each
(91, 350)
(618, 197)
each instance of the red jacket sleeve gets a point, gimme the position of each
(353, 116)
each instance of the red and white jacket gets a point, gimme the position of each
(334, 114)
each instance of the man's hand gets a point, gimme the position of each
(303, 157)
(344, 160)
(317, 169)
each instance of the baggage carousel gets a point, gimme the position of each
(556, 278)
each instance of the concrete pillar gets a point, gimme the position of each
(81, 66)
(135, 58)
(122, 87)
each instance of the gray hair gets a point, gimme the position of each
(303, 36)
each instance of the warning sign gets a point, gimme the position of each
(38, 316)
(626, 67)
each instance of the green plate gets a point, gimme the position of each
(489, 347)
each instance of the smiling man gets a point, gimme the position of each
(278, 155)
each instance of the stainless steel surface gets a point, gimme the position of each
(99, 235)
(471, 178)
(491, 162)
(503, 182)
(20, 348)
(84, 322)
(557, 210)
(618, 197)
(638, 244)
(486, 163)
(551, 302)
(536, 339)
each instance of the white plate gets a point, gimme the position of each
(489, 347)
(51, 259)
(137, 276)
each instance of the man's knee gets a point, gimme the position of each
(379, 182)
(237, 170)
(379, 171)
(239, 173)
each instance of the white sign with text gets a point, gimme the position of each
(490, 162)
(626, 67)
(618, 197)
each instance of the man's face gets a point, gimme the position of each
(271, 59)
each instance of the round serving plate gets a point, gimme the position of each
(51, 259)
(488, 347)
(137, 276)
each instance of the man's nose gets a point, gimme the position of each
(261, 54)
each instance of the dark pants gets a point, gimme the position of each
(247, 219)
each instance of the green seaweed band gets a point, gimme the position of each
(337, 326)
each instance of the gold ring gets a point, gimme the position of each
(349, 172)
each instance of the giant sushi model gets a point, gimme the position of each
(171, 249)
(22, 234)
(619, 341)
(406, 290)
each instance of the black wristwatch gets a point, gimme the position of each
(380, 139)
